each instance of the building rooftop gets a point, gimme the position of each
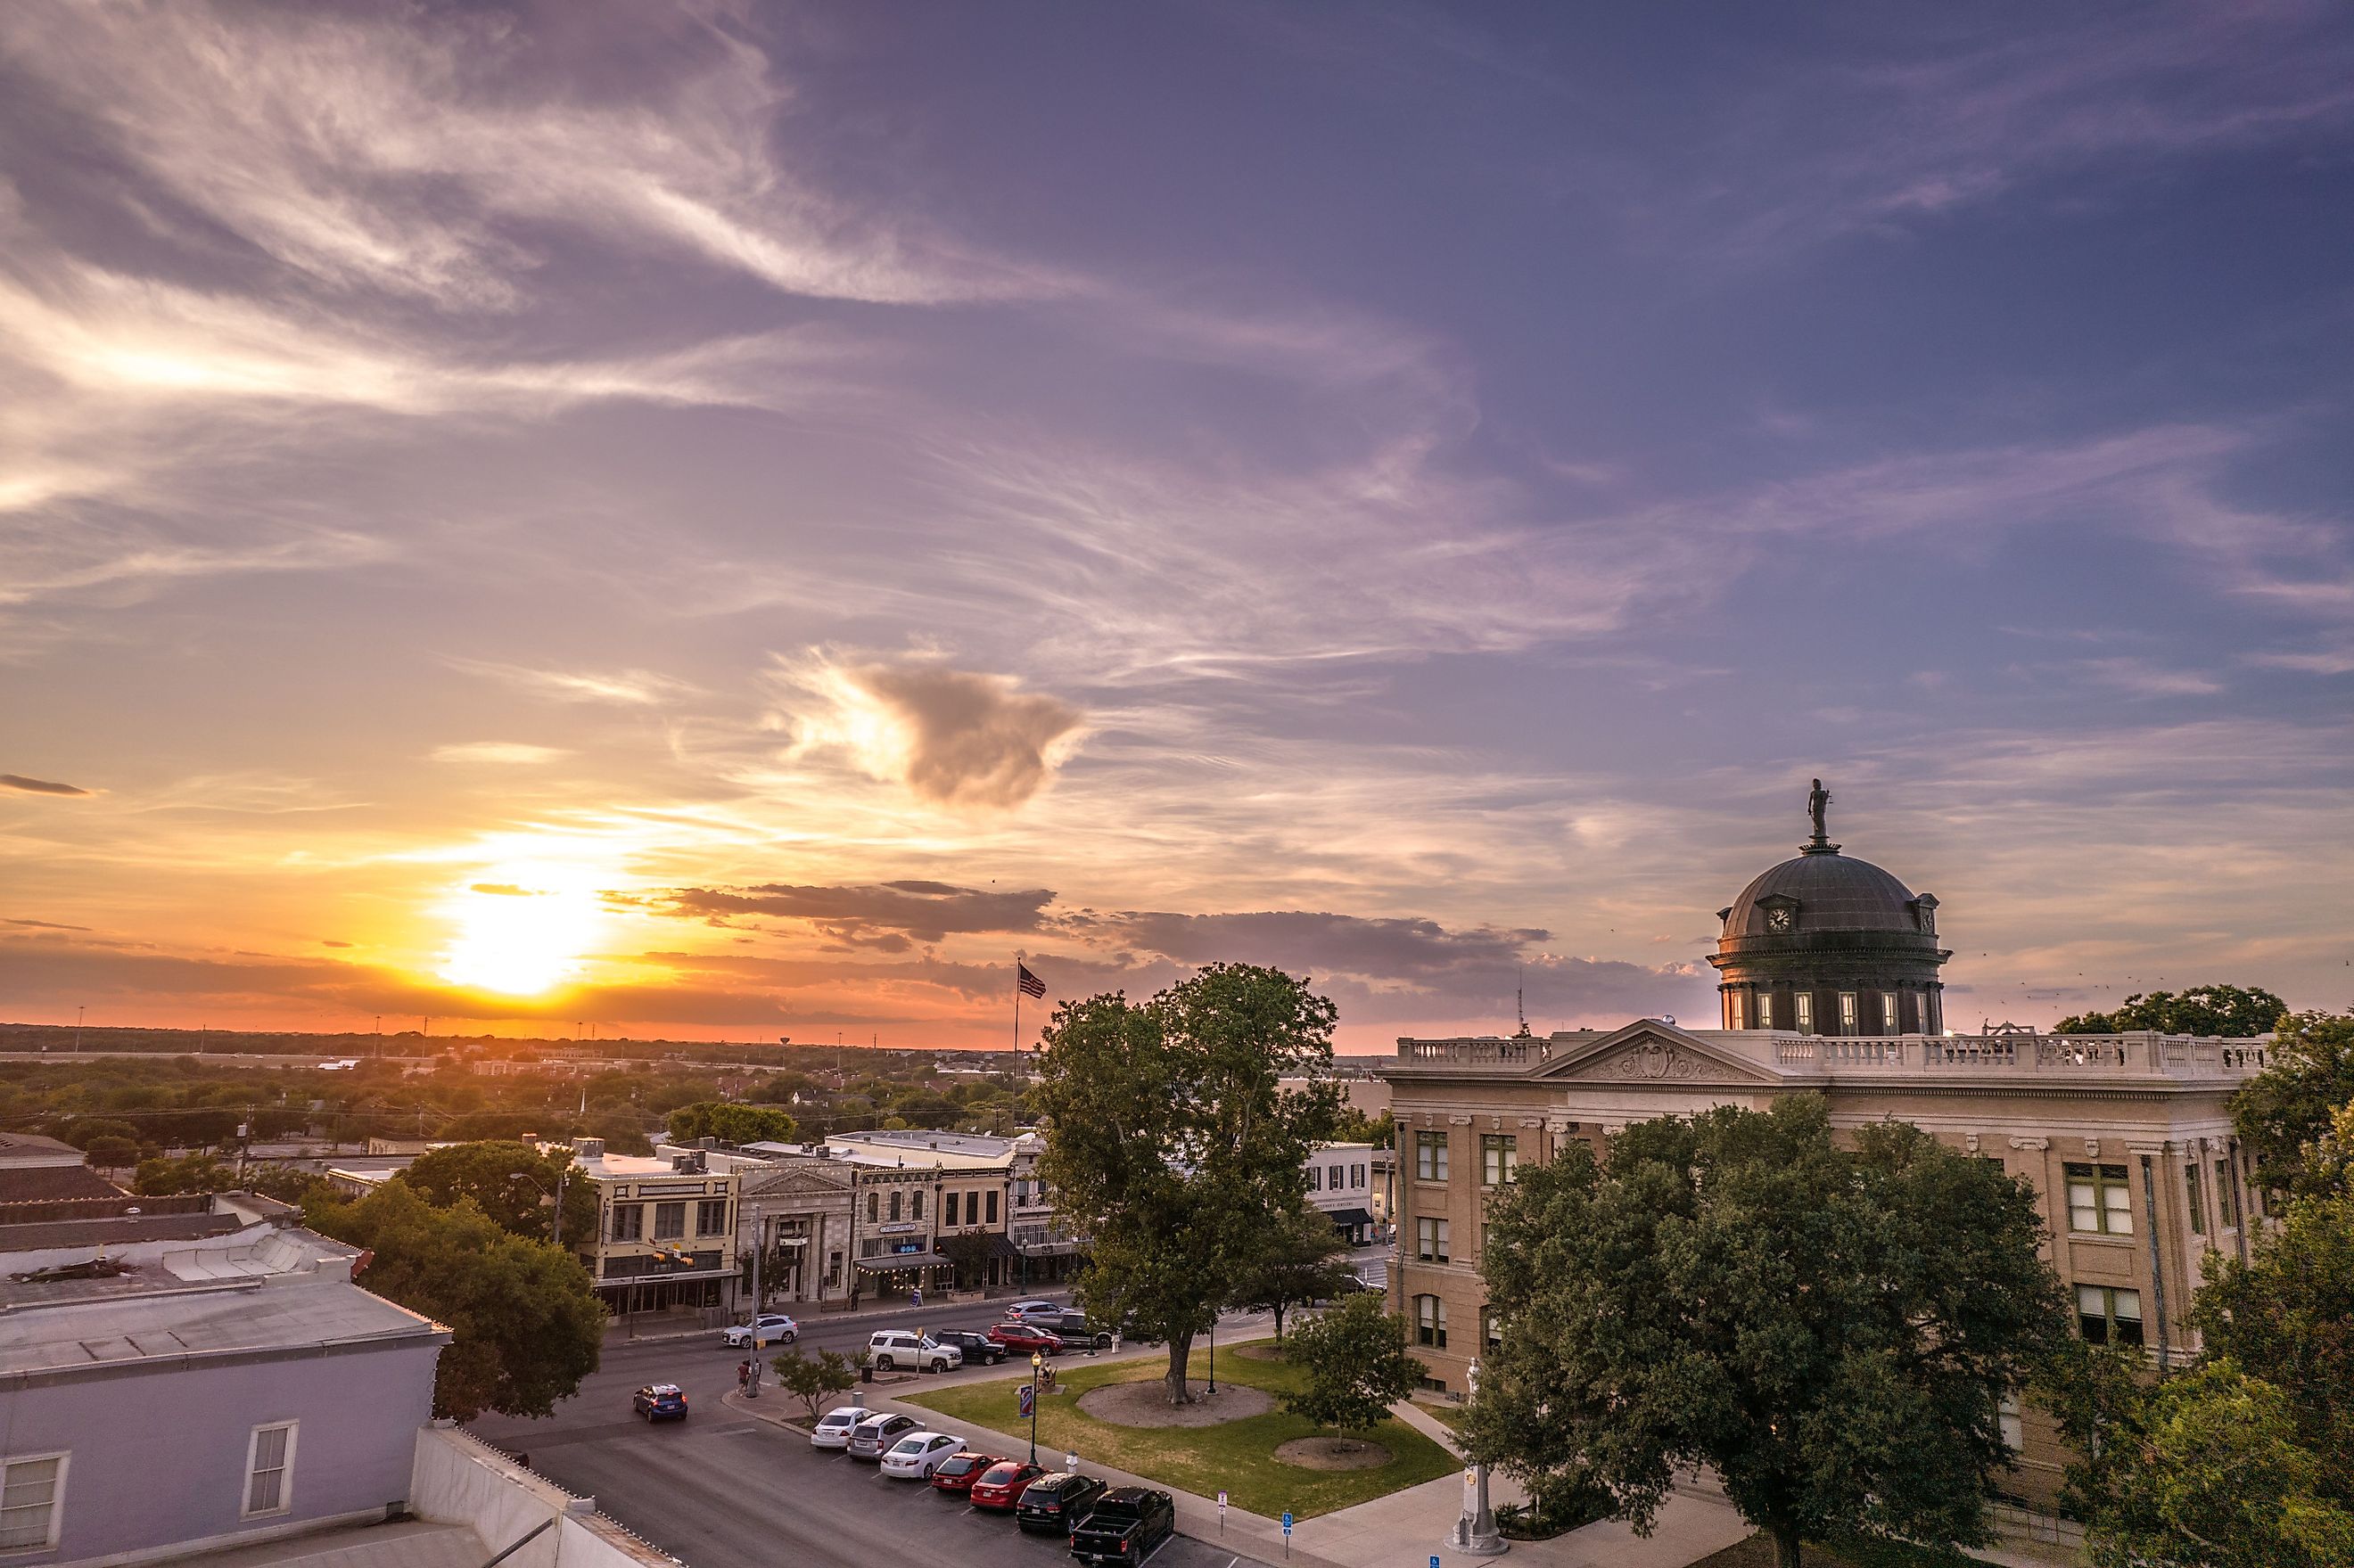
(290, 1290)
(923, 1150)
(37, 1149)
(37, 1183)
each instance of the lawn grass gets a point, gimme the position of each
(1757, 1551)
(1236, 1456)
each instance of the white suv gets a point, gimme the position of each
(769, 1328)
(893, 1348)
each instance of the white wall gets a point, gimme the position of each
(458, 1481)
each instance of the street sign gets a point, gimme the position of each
(1222, 1511)
(1286, 1521)
(1029, 1398)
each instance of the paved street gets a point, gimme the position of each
(720, 1490)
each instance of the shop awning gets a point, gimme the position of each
(893, 1262)
(1349, 1219)
(1002, 1246)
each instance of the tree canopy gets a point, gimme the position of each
(526, 1323)
(1173, 1143)
(512, 1183)
(1832, 1330)
(1356, 1366)
(1299, 1260)
(2285, 1110)
(730, 1123)
(2226, 1010)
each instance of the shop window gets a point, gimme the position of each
(2099, 1200)
(670, 1220)
(629, 1222)
(992, 1205)
(915, 1204)
(711, 1217)
(896, 1200)
(872, 1200)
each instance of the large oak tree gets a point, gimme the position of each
(1830, 1329)
(1173, 1144)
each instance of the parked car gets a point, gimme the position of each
(1124, 1526)
(769, 1328)
(898, 1347)
(999, 1488)
(1075, 1328)
(873, 1436)
(1023, 1308)
(915, 1457)
(959, 1472)
(1021, 1337)
(833, 1429)
(1056, 1502)
(976, 1346)
(660, 1402)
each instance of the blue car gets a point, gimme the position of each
(661, 1402)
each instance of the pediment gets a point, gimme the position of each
(1649, 1052)
(792, 1180)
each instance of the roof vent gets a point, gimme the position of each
(588, 1147)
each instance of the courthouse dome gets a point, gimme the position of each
(1831, 891)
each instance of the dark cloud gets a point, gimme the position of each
(1303, 942)
(884, 914)
(970, 739)
(330, 942)
(39, 786)
(47, 926)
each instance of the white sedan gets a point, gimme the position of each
(832, 1430)
(769, 1328)
(915, 1457)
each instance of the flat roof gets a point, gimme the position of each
(168, 1323)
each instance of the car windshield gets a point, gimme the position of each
(1000, 1474)
(962, 1464)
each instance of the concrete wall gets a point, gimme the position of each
(459, 1480)
(159, 1449)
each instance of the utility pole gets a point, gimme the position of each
(78, 1013)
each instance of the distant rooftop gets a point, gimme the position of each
(37, 1149)
(41, 1184)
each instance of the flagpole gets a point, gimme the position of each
(1017, 1004)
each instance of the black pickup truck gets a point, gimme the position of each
(1124, 1526)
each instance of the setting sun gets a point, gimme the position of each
(521, 928)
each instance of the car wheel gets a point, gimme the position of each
(791, 1338)
(882, 1363)
(939, 1366)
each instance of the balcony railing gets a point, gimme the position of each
(2175, 1056)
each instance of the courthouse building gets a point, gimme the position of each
(1828, 979)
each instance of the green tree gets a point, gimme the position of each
(1173, 1144)
(526, 1323)
(812, 1379)
(2288, 1312)
(2203, 1471)
(2234, 1012)
(512, 1183)
(2308, 1074)
(190, 1173)
(968, 1253)
(1298, 1261)
(1356, 1366)
(1355, 1127)
(112, 1153)
(730, 1123)
(86, 1131)
(1832, 1330)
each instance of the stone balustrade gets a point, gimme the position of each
(2175, 1056)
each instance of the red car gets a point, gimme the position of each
(1023, 1337)
(1001, 1486)
(959, 1472)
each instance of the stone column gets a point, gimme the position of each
(1475, 1533)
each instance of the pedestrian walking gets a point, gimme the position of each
(743, 1375)
(916, 1294)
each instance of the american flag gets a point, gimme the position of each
(1030, 984)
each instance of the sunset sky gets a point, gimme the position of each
(732, 520)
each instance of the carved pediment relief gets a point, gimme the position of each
(1650, 1052)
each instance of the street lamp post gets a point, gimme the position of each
(1037, 1364)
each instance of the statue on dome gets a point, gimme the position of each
(1817, 798)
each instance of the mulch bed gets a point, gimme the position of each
(1333, 1454)
(1145, 1403)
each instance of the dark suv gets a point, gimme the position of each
(1055, 1504)
(1076, 1332)
(979, 1348)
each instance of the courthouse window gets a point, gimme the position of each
(1847, 1012)
(2108, 1317)
(2197, 1210)
(30, 1492)
(2014, 1437)
(1430, 1156)
(1733, 1010)
(1492, 1329)
(1430, 1322)
(1500, 1156)
(2227, 1209)
(1764, 1010)
(1804, 1003)
(1430, 1241)
(2099, 1202)
(1888, 1012)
